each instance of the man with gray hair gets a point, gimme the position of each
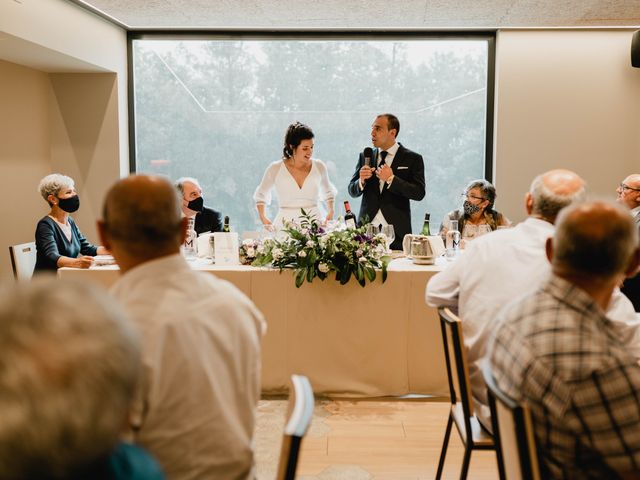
(557, 349)
(205, 219)
(628, 193)
(506, 264)
(69, 364)
(201, 339)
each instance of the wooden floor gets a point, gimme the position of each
(369, 440)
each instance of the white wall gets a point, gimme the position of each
(564, 98)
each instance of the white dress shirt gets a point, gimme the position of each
(379, 219)
(291, 197)
(196, 406)
(495, 270)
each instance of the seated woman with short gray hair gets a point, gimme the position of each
(59, 242)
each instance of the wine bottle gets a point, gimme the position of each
(225, 228)
(190, 245)
(349, 218)
(425, 227)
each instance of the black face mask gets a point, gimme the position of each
(470, 208)
(196, 205)
(70, 204)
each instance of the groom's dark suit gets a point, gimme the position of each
(407, 184)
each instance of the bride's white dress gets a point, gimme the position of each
(291, 198)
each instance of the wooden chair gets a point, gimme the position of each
(473, 436)
(299, 416)
(23, 260)
(513, 432)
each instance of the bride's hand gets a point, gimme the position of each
(268, 226)
(329, 217)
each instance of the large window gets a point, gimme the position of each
(217, 110)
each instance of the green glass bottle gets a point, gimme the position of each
(425, 226)
(225, 228)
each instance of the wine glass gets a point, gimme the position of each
(371, 230)
(387, 231)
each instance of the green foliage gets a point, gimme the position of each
(313, 252)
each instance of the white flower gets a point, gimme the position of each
(323, 267)
(277, 253)
(247, 242)
(260, 249)
(362, 259)
(380, 249)
(359, 252)
(323, 240)
(305, 231)
(310, 243)
(251, 252)
(302, 254)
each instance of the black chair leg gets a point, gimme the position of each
(445, 444)
(465, 462)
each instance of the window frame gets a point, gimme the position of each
(320, 34)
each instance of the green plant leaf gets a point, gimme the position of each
(371, 273)
(300, 274)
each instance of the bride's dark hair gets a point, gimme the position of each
(296, 132)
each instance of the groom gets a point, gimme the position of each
(395, 176)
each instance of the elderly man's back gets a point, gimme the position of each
(201, 355)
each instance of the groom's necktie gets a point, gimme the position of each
(383, 155)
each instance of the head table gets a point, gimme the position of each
(380, 340)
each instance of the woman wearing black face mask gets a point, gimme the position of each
(477, 215)
(59, 242)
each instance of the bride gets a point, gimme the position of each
(299, 181)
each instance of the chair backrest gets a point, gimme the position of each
(300, 412)
(456, 360)
(23, 260)
(512, 432)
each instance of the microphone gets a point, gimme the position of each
(368, 153)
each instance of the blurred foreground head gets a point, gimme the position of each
(69, 363)
(596, 239)
(142, 219)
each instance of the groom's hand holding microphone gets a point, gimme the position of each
(366, 172)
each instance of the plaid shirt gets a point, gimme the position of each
(557, 350)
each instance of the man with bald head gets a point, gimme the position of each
(506, 264)
(629, 194)
(201, 339)
(558, 350)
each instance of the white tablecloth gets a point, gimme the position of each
(378, 340)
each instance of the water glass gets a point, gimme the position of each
(388, 231)
(371, 230)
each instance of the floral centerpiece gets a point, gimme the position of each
(313, 252)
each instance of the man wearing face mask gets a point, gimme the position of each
(59, 242)
(206, 219)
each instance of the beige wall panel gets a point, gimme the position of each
(84, 139)
(564, 99)
(24, 154)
